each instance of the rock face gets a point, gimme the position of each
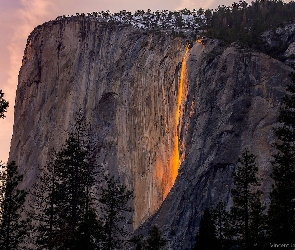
(280, 42)
(125, 81)
(128, 84)
(232, 104)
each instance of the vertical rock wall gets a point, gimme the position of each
(232, 104)
(126, 82)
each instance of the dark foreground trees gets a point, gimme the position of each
(154, 240)
(244, 225)
(115, 214)
(89, 232)
(282, 207)
(65, 193)
(253, 227)
(206, 237)
(247, 210)
(12, 227)
(66, 198)
(223, 226)
(75, 178)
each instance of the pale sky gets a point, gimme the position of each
(19, 17)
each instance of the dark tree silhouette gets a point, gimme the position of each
(3, 105)
(89, 233)
(68, 184)
(282, 207)
(114, 199)
(43, 209)
(206, 237)
(223, 226)
(155, 241)
(247, 206)
(12, 227)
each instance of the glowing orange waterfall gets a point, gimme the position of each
(175, 158)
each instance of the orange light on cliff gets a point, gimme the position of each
(181, 86)
(166, 174)
(175, 159)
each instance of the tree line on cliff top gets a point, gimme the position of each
(239, 22)
(244, 23)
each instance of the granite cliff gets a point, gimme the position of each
(126, 81)
(155, 105)
(232, 104)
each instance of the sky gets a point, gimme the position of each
(19, 17)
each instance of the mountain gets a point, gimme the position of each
(169, 116)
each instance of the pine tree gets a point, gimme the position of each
(258, 225)
(12, 227)
(247, 207)
(69, 186)
(75, 175)
(3, 105)
(43, 209)
(137, 241)
(89, 233)
(155, 241)
(206, 237)
(222, 222)
(282, 206)
(71, 173)
(114, 200)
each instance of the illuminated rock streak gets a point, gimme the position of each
(175, 158)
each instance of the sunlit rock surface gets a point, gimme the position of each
(128, 82)
(125, 80)
(232, 104)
